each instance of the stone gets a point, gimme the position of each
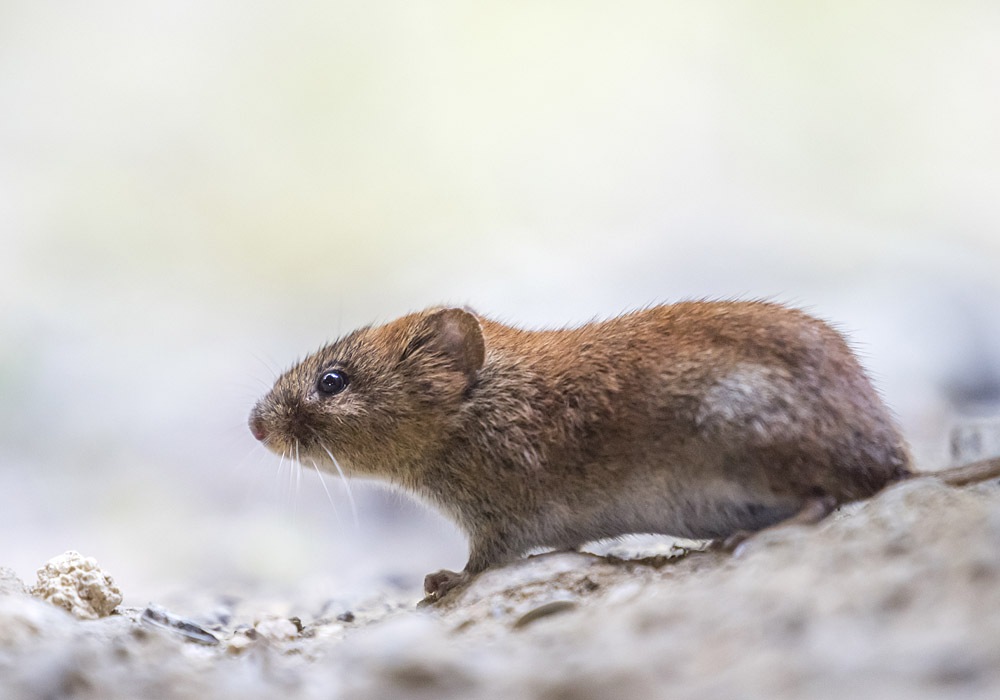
(77, 584)
(10, 582)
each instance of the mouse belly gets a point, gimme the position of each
(720, 519)
(707, 513)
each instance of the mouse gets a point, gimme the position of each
(706, 420)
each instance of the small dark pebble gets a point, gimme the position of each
(195, 633)
(553, 608)
(346, 616)
(222, 615)
(956, 671)
(161, 617)
(896, 599)
(982, 571)
(463, 625)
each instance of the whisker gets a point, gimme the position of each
(296, 479)
(281, 463)
(298, 473)
(250, 485)
(239, 465)
(343, 478)
(328, 496)
(347, 485)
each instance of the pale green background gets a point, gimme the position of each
(194, 194)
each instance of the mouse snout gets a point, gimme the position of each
(257, 425)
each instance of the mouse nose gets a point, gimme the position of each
(257, 426)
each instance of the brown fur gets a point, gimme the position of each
(697, 419)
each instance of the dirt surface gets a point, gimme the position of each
(897, 597)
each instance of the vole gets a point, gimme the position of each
(703, 420)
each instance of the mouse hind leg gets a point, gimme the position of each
(798, 437)
(812, 511)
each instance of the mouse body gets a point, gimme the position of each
(697, 419)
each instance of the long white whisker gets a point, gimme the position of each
(328, 496)
(251, 484)
(298, 479)
(241, 464)
(347, 485)
(298, 471)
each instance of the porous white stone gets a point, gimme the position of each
(77, 584)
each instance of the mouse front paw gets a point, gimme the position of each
(440, 582)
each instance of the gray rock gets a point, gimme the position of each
(895, 597)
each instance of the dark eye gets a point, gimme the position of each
(333, 382)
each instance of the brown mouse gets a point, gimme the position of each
(704, 420)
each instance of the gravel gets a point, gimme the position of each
(896, 597)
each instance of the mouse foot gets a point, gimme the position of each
(812, 511)
(439, 583)
(729, 544)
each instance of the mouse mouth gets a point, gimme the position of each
(312, 454)
(307, 453)
(292, 446)
(300, 443)
(283, 429)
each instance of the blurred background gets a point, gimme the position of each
(195, 194)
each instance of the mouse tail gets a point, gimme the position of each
(965, 474)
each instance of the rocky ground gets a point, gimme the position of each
(897, 597)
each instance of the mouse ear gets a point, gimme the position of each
(455, 333)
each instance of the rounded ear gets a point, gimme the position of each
(455, 333)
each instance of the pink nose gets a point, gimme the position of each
(257, 427)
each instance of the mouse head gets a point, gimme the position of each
(378, 398)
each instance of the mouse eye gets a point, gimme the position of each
(333, 382)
